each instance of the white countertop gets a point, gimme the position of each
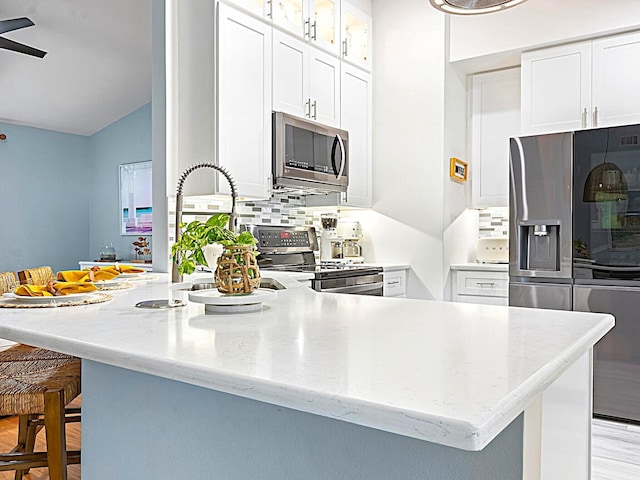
(482, 267)
(450, 373)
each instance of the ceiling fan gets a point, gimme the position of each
(16, 24)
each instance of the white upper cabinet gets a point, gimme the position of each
(556, 89)
(356, 38)
(583, 85)
(257, 7)
(356, 119)
(244, 101)
(290, 75)
(495, 117)
(324, 87)
(317, 21)
(291, 15)
(306, 80)
(616, 80)
(324, 26)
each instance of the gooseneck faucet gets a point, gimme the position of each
(175, 276)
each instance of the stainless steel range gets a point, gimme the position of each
(291, 249)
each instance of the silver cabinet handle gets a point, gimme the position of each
(344, 48)
(315, 110)
(315, 31)
(595, 117)
(393, 282)
(482, 284)
(307, 105)
(270, 12)
(584, 118)
(307, 28)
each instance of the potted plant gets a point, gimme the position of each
(236, 270)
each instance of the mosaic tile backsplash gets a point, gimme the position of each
(280, 210)
(494, 222)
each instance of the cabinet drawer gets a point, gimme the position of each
(487, 284)
(394, 284)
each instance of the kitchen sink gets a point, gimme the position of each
(268, 283)
(271, 284)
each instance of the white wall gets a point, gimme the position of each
(408, 132)
(538, 23)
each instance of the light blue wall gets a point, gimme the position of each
(127, 140)
(61, 192)
(44, 183)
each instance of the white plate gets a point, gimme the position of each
(109, 283)
(72, 297)
(131, 274)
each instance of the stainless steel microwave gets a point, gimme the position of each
(309, 157)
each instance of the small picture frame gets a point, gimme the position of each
(458, 169)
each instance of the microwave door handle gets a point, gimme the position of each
(342, 156)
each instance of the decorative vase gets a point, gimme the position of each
(211, 254)
(237, 272)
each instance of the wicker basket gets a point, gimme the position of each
(237, 271)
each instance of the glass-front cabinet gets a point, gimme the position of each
(258, 7)
(315, 20)
(356, 36)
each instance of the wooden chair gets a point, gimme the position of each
(36, 384)
(36, 276)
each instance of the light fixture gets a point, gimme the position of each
(605, 181)
(473, 7)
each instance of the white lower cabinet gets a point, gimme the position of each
(476, 286)
(395, 283)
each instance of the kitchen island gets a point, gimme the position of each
(315, 386)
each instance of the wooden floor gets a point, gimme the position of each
(9, 435)
(615, 449)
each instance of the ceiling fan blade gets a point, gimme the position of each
(15, 24)
(20, 48)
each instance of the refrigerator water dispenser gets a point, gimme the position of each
(540, 246)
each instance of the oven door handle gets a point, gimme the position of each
(366, 287)
(338, 141)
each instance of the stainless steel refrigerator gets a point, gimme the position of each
(575, 244)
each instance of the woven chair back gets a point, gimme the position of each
(8, 282)
(36, 276)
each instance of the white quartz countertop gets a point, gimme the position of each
(450, 373)
(482, 267)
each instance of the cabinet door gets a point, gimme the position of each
(290, 75)
(356, 119)
(324, 29)
(257, 7)
(244, 101)
(290, 15)
(324, 87)
(495, 117)
(556, 89)
(356, 36)
(616, 80)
